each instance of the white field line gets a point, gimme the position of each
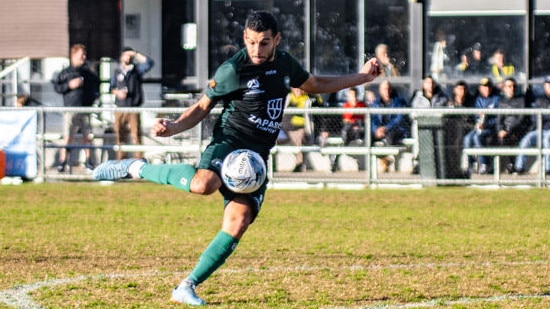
(18, 296)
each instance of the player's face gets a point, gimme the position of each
(260, 46)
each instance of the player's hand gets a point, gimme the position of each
(162, 128)
(371, 69)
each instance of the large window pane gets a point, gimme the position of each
(335, 36)
(227, 23)
(459, 36)
(540, 64)
(387, 22)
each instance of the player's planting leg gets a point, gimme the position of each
(221, 247)
(117, 169)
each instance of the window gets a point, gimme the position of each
(455, 31)
(226, 27)
(540, 62)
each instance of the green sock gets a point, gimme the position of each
(177, 175)
(214, 256)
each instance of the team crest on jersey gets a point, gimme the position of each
(275, 108)
(253, 87)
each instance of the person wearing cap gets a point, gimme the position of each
(126, 85)
(531, 138)
(485, 129)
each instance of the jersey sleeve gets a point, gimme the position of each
(225, 81)
(298, 74)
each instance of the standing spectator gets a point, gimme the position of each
(382, 54)
(438, 67)
(80, 88)
(353, 129)
(500, 69)
(531, 138)
(126, 85)
(389, 129)
(485, 128)
(511, 128)
(299, 127)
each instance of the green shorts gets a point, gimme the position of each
(212, 159)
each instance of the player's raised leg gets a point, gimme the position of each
(118, 169)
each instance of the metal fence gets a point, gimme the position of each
(421, 160)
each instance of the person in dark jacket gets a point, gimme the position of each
(80, 88)
(511, 127)
(126, 85)
(530, 139)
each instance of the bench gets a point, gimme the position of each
(373, 152)
(497, 152)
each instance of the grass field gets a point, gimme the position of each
(82, 245)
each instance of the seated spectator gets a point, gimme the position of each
(381, 53)
(298, 127)
(485, 128)
(471, 62)
(500, 69)
(431, 95)
(389, 129)
(511, 128)
(353, 129)
(531, 138)
(456, 127)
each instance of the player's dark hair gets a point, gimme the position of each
(261, 21)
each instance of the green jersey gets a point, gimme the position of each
(253, 98)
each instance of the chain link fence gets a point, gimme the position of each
(432, 155)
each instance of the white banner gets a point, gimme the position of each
(18, 141)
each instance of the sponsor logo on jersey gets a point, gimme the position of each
(253, 87)
(271, 72)
(267, 125)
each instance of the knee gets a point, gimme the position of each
(205, 186)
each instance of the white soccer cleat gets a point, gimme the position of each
(184, 293)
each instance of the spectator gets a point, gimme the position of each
(511, 128)
(299, 127)
(485, 128)
(382, 54)
(353, 129)
(80, 88)
(531, 138)
(440, 57)
(431, 95)
(472, 63)
(389, 129)
(456, 127)
(499, 68)
(126, 85)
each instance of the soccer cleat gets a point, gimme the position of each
(114, 169)
(184, 293)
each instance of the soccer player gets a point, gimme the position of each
(252, 86)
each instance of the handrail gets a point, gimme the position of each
(13, 67)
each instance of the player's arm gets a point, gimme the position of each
(327, 84)
(187, 120)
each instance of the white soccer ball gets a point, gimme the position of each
(243, 171)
